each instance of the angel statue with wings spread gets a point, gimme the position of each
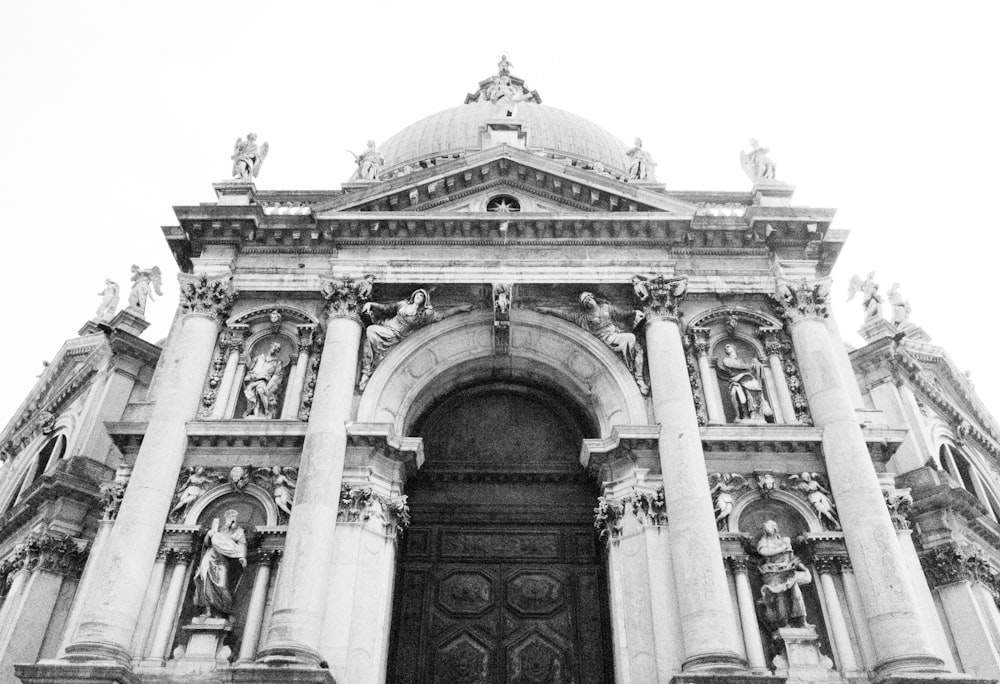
(281, 483)
(756, 164)
(872, 300)
(248, 157)
(819, 496)
(723, 487)
(144, 280)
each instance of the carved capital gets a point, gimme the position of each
(825, 565)
(53, 553)
(305, 338)
(798, 300)
(737, 564)
(844, 564)
(205, 296)
(232, 338)
(660, 297)
(699, 340)
(947, 565)
(359, 504)
(772, 340)
(608, 518)
(346, 296)
(182, 556)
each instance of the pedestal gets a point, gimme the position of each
(205, 650)
(803, 661)
(877, 328)
(235, 192)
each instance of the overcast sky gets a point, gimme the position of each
(115, 112)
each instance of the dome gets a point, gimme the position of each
(504, 102)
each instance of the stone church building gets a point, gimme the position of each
(501, 409)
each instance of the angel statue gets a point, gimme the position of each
(248, 157)
(723, 487)
(640, 163)
(281, 483)
(145, 281)
(871, 300)
(900, 307)
(819, 496)
(756, 164)
(190, 489)
(109, 300)
(261, 383)
(601, 319)
(369, 163)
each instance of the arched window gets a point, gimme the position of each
(503, 204)
(50, 453)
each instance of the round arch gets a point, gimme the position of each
(544, 350)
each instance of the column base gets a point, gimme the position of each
(715, 663)
(928, 677)
(290, 656)
(61, 672)
(726, 678)
(98, 653)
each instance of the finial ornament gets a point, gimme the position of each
(248, 157)
(871, 300)
(210, 297)
(756, 164)
(798, 300)
(347, 295)
(660, 296)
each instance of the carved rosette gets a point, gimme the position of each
(346, 296)
(947, 565)
(801, 300)
(660, 297)
(359, 504)
(205, 296)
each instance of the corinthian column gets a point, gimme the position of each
(295, 628)
(880, 567)
(113, 601)
(706, 610)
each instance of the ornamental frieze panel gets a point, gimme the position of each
(197, 483)
(811, 488)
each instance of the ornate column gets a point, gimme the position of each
(255, 611)
(835, 613)
(709, 380)
(293, 395)
(772, 347)
(706, 610)
(893, 617)
(748, 615)
(232, 346)
(296, 623)
(171, 602)
(112, 604)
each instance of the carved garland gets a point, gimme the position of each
(649, 508)
(358, 504)
(790, 365)
(694, 377)
(309, 384)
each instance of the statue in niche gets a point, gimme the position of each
(282, 485)
(370, 162)
(640, 163)
(871, 300)
(598, 317)
(782, 574)
(145, 281)
(261, 383)
(756, 164)
(191, 488)
(398, 320)
(109, 300)
(745, 389)
(818, 496)
(216, 578)
(900, 307)
(248, 157)
(724, 486)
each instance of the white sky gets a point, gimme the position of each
(114, 112)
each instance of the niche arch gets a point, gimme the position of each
(209, 500)
(794, 503)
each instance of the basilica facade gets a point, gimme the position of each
(502, 409)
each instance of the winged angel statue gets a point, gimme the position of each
(248, 157)
(811, 485)
(144, 281)
(756, 164)
(725, 487)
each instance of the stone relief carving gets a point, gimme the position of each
(648, 507)
(113, 492)
(640, 163)
(601, 319)
(192, 485)
(248, 157)
(949, 564)
(782, 574)
(283, 484)
(795, 300)
(48, 551)
(725, 487)
(697, 391)
(145, 281)
(818, 496)
(203, 296)
(871, 300)
(898, 501)
(660, 296)
(109, 301)
(756, 164)
(195, 481)
(370, 163)
(746, 391)
(502, 298)
(900, 307)
(359, 504)
(261, 382)
(224, 549)
(309, 385)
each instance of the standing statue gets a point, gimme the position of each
(598, 317)
(756, 164)
(248, 158)
(190, 489)
(818, 496)
(109, 300)
(640, 163)
(369, 163)
(745, 389)
(504, 95)
(144, 283)
(871, 300)
(283, 488)
(723, 487)
(261, 383)
(782, 574)
(900, 307)
(214, 585)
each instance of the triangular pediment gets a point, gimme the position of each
(541, 185)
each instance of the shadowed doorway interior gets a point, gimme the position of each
(500, 579)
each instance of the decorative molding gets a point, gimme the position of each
(205, 296)
(309, 384)
(694, 379)
(811, 488)
(359, 503)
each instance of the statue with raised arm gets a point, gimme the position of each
(109, 300)
(640, 163)
(145, 281)
(190, 488)
(871, 300)
(745, 389)
(248, 157)
(600, 318)
(221, 566)
(900, 307)
(782, 574)
(261, 383)
(756, 164)
(818, 496)
(370, 163)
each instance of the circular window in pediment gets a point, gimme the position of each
(503, 204)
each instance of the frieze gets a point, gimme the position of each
(489, 544)
(648, 507)
(358, 504)
(196, 481)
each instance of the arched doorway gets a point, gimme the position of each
(499, 578)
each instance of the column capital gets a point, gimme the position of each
(825, 565)
(347, 295)
(212, 297)
(305, 333)
(771, 337)
(233, 337)
(699, 340)
(802, 299)
(737, 564)
(660, 296)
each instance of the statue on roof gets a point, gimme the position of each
(109, 300)
(145, 281)
(504, 66)
(248, 157)
(900, 307)
(871, 300)
(756, 164)
(370, 163)
(640, 163)
(504, 95)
